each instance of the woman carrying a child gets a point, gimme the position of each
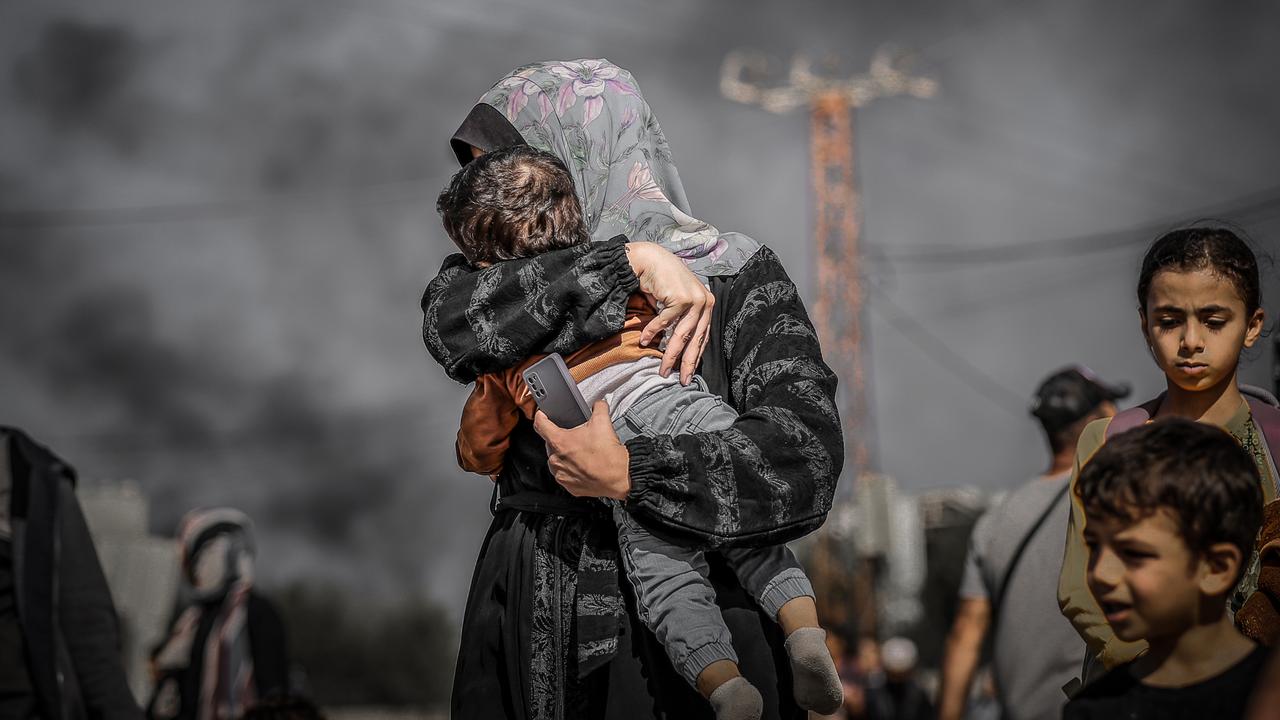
(549, 630)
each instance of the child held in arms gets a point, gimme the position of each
(1171, 511)
(519, 202)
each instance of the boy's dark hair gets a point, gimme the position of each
(512, 203)
(1216, 249)
(1196, 471)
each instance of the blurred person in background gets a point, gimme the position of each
(868, 671)
(226, 650)
(59, 634)
(895, 694)
(984, 703)
(287, 707)
(1010, 578)
(850, 668)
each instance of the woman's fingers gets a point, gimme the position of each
(686, 336)
(656, 326)
(681, 338)
(668, 283)
(686, 304)
(693, 351)
(549, 431)
(588, 460)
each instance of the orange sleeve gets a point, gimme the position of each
(487, 421)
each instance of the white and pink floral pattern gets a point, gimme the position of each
(587, 79)
(522, 88)
(591, 115)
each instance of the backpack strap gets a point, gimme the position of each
(1003, 588)
(1133, 417)
(1267, 418)
(1261, 393)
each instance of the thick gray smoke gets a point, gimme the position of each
(216, 220)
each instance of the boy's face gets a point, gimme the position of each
(1196, 325)
(1143, 575)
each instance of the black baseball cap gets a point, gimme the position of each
(1070, 394)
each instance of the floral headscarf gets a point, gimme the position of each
(590, 114)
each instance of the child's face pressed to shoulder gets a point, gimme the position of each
(1196, 324)
(1143, 575)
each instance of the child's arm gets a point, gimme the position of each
(1074, 598)
(485, 431)
(483, 321)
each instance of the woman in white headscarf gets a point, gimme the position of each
(549, 631)
(227, 648)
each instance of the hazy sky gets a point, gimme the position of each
(216, 221)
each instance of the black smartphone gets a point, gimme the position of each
(555, 392)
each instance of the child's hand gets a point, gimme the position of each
(588, 460)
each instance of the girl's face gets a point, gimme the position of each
(1196, 325)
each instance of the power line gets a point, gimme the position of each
(1258, 206)
(933, 346)
(831, 103)
(1017, 295)
(924, 267)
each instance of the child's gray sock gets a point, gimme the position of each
(737, 699)
(816, 684)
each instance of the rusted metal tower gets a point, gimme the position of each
(846, 596)
(837, 313)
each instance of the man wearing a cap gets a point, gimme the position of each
(1011, 574)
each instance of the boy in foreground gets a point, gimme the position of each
(1171, 512)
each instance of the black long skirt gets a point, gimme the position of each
(493, 674)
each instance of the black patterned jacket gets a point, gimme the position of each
(767, 479)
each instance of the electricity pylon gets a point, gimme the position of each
(837, 313)
(846, 596)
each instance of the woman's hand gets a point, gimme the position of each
(684, 300)
(588, 460)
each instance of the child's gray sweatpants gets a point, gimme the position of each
(673, 596)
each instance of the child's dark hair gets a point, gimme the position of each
(1196, 471)
(512, 203)
(1216, 249)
